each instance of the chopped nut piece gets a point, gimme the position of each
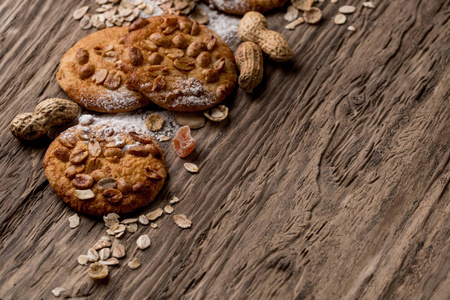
(168, 209)
(153, 225)
(110, 261)
(79, 13)
(84, 194)
(143, 242)
(351, 28)
(82, 181)
(98, 271)
(129, 221)
(291, 14)
(143, 220)
(112, 196)
(368, 4)
(182, 221)
(132, 228)
(58, 291)
(118, 251)
(83, 259)
(100, 76)
(200, 16)
(295, 23)
(174, 200)
(347, 9)
(101, 244)
(153, 215)
(134, 263)
(104, 254)
(313, 15)
(193, 168)
(92, 255)
(340, 19)
(163, 138)
(107, 183)
(217, 114)
(74, 221)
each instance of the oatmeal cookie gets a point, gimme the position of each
(89, 74)
(178, 64)
(100, 169)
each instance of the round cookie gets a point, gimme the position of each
(241, 7)
(178, 64)
(89, 74)
(98, 169)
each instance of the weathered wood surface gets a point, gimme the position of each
(330, 182)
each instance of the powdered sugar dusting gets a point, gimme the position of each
(135, 122)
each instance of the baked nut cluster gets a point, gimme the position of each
(98, 169)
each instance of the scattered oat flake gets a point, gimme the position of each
(119, 235)
(182, 221)
(79, 13)
(368, 4)
(129, 221)
(168, 209)
(153, 215)
(295, 23)
(340, 19)
(74, 221)
(110, 261)
(86, 22)
(143, 242)
(334, 1)
(347, 9)
(143, 220)
(351, 28)
(58, 291)
(92, 255)
(132, 228)
(174, 200)
(134, 263)
(83, 259)
(153, 225)
(118, 251)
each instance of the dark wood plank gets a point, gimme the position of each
(330, 182)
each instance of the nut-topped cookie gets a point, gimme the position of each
(89, 74)
(98, 169)
(178, 64)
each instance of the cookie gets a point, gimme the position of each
(99, 169)
(178, 64)
(241, 7)
(89, 75)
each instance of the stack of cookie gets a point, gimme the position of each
(170, 60)
(99, 168)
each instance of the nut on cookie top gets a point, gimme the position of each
(99, 168)
(178, 64)
(89, 73)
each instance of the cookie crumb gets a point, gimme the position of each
(58, 291)
(154, 122)
(182, 221)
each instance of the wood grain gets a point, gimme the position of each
(330, 182)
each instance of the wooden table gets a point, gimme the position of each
(331, 181)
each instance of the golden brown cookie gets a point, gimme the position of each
(98, 169)
(88, 73)
(178, 64)
(240, 7)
